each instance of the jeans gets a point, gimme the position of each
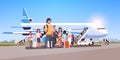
(48, 38)
(54, 41)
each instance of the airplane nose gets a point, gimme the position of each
(104, 32)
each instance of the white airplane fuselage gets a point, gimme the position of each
(95, 31)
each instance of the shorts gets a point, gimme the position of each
(38, 40)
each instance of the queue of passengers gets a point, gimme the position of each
(53, 36)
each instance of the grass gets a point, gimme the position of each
(114, 42)
(9, 44)
(101, 43)
(13, 44)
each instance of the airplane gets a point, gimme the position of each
(90, 29)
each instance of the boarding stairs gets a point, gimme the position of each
(86, 30)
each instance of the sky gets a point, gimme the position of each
(67, 11)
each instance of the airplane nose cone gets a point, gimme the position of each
(104, 32)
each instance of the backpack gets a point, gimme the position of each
(44, 28)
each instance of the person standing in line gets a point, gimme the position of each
(69, 37)
(30, 39)
(59, 39)
(54, 36)
(48, 29)
(73, 40)
(64, 38)
(38, 36)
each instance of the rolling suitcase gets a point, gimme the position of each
(66, 44)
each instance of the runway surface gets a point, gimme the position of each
(109, 52)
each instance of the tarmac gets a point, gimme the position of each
(105, 52)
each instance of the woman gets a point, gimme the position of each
(38, 36)
(59, 37)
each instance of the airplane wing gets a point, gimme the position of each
(23, 33)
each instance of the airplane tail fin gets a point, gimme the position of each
(25, 15)
(25, 18)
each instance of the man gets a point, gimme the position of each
(48, 28)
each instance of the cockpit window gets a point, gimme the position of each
(100, 28)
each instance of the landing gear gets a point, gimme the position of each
(91, 42)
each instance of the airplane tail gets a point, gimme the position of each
(25, 18)
(25, 13)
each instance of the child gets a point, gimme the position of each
(30, 39)
(64, 38)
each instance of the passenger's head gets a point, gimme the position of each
(54, 27)
(64, 32)
(38, 31)
(60, 29)
(30, 33)
(48, 20)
